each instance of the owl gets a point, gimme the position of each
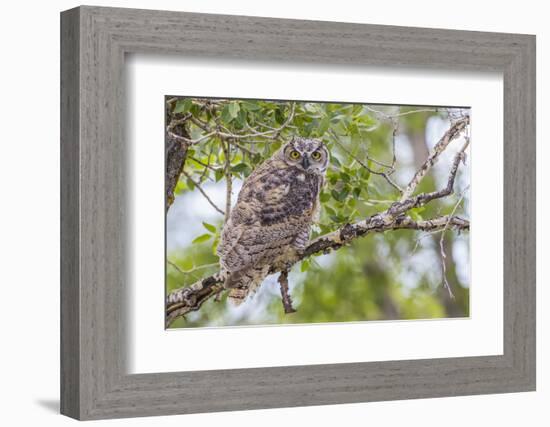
(272, 218)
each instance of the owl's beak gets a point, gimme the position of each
(305, 162)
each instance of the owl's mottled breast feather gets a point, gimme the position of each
(275, 205)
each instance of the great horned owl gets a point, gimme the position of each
(273, 214)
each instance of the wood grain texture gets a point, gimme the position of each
(95, 236)
(70, 292)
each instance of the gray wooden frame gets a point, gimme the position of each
(94, 41)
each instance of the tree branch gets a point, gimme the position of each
(176, 154)
(228, 179)
(184, 300)
(285, 295)
(385, 174)
(454, 131)
(208, 199)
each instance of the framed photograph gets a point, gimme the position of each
(261, 213)
(301, 173)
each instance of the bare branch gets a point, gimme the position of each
(285, 295)
(197, 268)
(386, 116)
(442, 249)
(454, 131)
(178, 122)
(228, 179)
(402, 206)
(196, 184)
(195, 141)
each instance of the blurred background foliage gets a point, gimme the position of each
(394, 275)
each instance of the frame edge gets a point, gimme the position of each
(70, 403)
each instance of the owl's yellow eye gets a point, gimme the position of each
(294, 155)
(316, 155)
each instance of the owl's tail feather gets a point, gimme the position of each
(244, 282)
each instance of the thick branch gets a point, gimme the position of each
(175, 150)
(176, 153)
(184, 300)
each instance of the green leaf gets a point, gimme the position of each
(233, 109)
(202, 238)
(219, 174)
(330, 211)
(226, 114)
(305, 265)
(345, 177)
(215, 245)
(183, 105)
(340, 195)
(279, 116)
(415, 213)
(324, 197)
(334, 160)
(180, 186)
(336, 195)
(323, 125)
(345, 192)
(186, 264)
(365, 173)
(251, 106)
(367, 121)
(241, 167)
(335, 218)
(209, 227)
(325, 228)
(241, 118)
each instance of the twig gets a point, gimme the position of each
(450, 135)
(194, 141)
(442, 248)
(180, 121)
(228, 180)
(285, 295)
(198, 267)
(175, 266)
(384, 174)
(402, 206)
(203, 193)
(205, 165)
(395, 125)
(406, 113)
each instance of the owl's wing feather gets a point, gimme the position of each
(263, 223)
